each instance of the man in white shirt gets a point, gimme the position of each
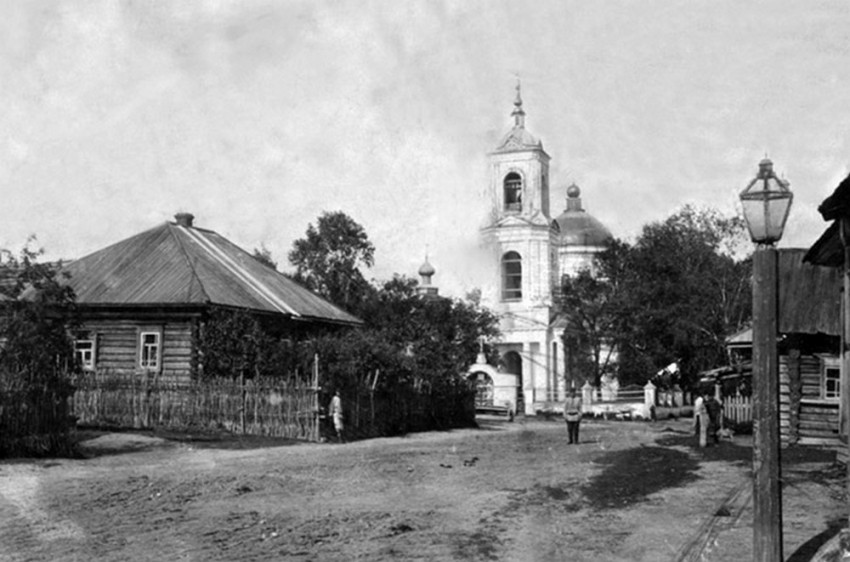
(572, 415)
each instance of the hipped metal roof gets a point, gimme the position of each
(173, 264)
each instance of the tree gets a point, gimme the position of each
(682, 287)
(36, 314)
(329, 257)
(36, 356)
(588, 305)
(413, 342)
(264, 256)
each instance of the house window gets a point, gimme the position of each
(511, 276)
(84, 353)
(831, 380)
(513, 192)
(149, 350)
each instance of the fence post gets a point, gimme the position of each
(242, 403)
(315, 404)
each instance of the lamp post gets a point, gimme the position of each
(766, 202)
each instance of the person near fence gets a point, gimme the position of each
(701, 420)
(572, 415)
(335, 411)
(713, 408)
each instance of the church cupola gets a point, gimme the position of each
(518, 138)
(574, 198)
(518, 113)
(426, 271)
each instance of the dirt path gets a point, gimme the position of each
(630, 491)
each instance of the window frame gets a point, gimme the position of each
(511, 293)
(79, 354)
(830, 364)
(142, 346)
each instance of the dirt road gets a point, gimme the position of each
(630, 491)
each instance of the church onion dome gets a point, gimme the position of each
(426, 269)
(577, 227)
(518, 138)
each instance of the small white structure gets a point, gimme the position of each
(496, 391)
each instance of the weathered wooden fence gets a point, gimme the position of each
(34, 418)
(738, 409)
(291, 407)
(404, 409)
(273, 407)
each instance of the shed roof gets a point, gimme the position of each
(176, 264)
(809, 295)
(809, 299)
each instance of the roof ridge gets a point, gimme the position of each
(242, 273)
(189, 263)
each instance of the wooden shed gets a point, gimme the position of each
(142, 301)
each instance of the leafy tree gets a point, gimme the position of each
(36, 312)
(264, 256)
(681, 288)
(235, 343)
(423, 340)
(329, 257)
(36, 356)
(589, 307)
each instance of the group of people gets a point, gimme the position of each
(707, 417)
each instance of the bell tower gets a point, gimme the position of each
(519, 172)
(521, 240)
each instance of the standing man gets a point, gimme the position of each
(701, 420)
(715, 416)
(336, 415)
(572, 415)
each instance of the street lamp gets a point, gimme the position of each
(766, 202)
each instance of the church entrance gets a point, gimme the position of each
(513, 365)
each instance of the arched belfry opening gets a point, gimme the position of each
(513, 192)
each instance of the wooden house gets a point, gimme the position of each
(809, 346)
(143, 300)
(832, 250)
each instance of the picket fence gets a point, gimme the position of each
(738, 409)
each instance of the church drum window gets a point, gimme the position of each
(513, 192)
(511, 276)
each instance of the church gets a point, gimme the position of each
(529, 252)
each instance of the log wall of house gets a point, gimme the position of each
(117, 347)
(804, 416)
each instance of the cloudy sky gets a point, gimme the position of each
(257, 116)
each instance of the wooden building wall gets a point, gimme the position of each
(805, 418)
(117, 347)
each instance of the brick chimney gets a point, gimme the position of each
(184, 219)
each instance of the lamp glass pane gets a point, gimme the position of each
(755, 217)
(778, 206)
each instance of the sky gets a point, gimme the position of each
(257, 116)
